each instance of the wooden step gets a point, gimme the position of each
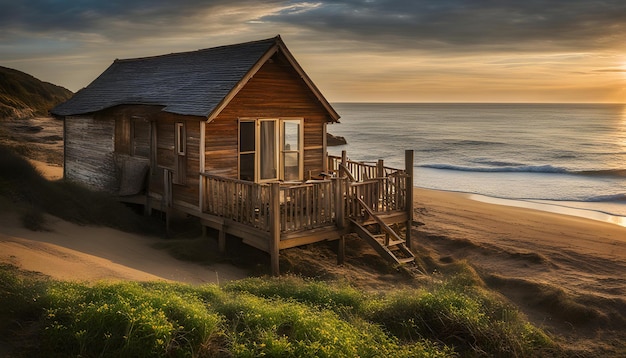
(377, 241)
(380, 248)
(395, 242)
(381, 238)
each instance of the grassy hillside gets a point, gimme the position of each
(22, 95)
(286, 317)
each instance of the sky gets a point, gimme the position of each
(354, 50)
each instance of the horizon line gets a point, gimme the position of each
(471, 102)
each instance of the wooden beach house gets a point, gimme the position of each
(236, 136)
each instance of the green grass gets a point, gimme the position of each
(286, 317)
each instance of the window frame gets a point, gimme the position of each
(299, 150)
(279, 135)
(180, 138)
(247, 152)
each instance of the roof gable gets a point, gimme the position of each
(198, 83)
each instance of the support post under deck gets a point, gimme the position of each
(408, 163)
(275, 228)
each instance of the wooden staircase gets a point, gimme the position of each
(386, 241)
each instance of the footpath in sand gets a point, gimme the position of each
(86, 253)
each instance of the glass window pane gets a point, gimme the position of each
(246, 167)
(292, 166)
(291, 134)
(268, 150)
(246, 137)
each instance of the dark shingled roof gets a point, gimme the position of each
(187, 83)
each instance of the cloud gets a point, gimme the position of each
(436, 25)
(126, 19)
(375, 45)
(460, 25)
(384, 25)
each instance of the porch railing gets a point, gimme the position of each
(384, 194)
(302, 206)
(307, 206)
(310, 205)
(361, 171)
(242, 201)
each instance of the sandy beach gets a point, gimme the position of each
(567, 273)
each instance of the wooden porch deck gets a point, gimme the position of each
(277, 216)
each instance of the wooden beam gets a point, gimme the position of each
(202, 154)
(341, 250)
(408, 163)
(275, 228)
(340, 202)
(221, 240)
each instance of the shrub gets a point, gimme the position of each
(126, 319)
(470, 320)
(320, 294)
(20, 296)
(278, 327)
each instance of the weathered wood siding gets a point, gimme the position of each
(89, 147)
(186, 189)
(275, 91)
(132, 128)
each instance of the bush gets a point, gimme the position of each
(466, 318)
(320, 294)
(20, 296)
(277, 327)
(126, 319)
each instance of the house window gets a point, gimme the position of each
(140, 144)
(180, 138)
(290, 150)
(268, 158)
(180, 175)
(247, 150)
(270, 149)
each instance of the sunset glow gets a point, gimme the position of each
(381, 51)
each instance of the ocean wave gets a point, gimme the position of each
(607, 198)
(548, 169)
(604, 172)
(510, 169)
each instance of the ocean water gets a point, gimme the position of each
(562, 155)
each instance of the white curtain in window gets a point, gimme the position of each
(268, 150)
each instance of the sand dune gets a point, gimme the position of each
(567, 273)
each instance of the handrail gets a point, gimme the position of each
(380, 222)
